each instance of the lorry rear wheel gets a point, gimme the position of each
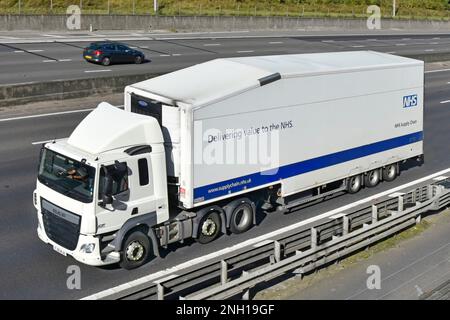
(241, 218)
(209, 228)
(372, 178)
(354, 184)
(106, 61)
(136, 250)
(390, 172)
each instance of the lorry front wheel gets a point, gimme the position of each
(354, 184)
(136, 250)
(209, 228)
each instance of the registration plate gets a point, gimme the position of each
(88, 57)
(57, 249)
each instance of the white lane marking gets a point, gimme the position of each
(326, 41)
(64, 60)
(440, 70)
(436, 38)
(176, 54)
(212, 44)
(406, 39)
(446, 101)
(133, 47)
(358, 46)
(50, 114)
(45, 115)
(400, 44)
(276, 42)
(10, 38)
(440, 178)
(52, 36)
(391, 52)
(45, 141)
(256, 240)
(36, 50)
(144, 47)
(101, 70)
(434, 43)
(429, 50)
(164, 55)
(19, 51)
(245, 51)
(48, 60)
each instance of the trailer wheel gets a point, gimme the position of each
(136, 250)
(354, 184)
(372, 178)
(209, 227)
(241, 218)
(390, 172)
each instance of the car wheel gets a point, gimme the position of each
(209, 228)
(106, 61)
(136, 250)
(138, 60)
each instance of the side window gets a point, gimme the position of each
(120, 183)
(122, 47)
(143, 171)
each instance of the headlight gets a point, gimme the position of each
(88, 247)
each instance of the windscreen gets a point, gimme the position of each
(67, 176)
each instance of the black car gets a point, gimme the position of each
(112, 52)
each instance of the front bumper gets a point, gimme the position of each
(92, 259)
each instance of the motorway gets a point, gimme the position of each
(55, 57)
(31, 269)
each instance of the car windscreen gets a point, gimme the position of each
(67, 176)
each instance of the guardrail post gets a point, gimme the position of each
(160, 291)
(223, 272)
(345, 225)
(374, 214)
(400, 203)
(313, 238)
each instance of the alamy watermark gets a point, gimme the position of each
(374, 20)
(74, 280)
(373, 282)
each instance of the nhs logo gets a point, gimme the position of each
(410, 101)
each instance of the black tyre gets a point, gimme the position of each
(241, 218)
(138, 60)
(372, 178)
(106, 61)
(390, 172)
(209, 227)
(135, 251)
(354, 184)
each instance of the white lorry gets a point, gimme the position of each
(201, 151)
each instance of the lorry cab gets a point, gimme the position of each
(103, 178)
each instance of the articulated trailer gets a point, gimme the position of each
(201, 151)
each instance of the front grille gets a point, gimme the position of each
(61, 226)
